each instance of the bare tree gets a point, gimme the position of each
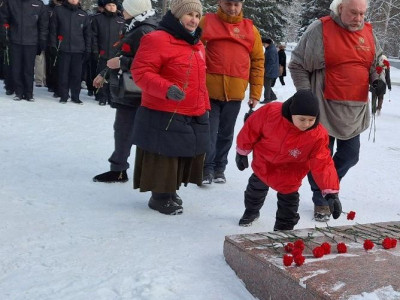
(385, 18)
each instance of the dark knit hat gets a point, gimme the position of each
(180, 8)
(105, 2)
(304, 103)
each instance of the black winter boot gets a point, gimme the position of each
(248, 218)
(164, 203)
(111, 176)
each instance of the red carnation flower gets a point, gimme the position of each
(387, 243)
(297, 252)
(368, 245)
(326, 247)
(341, 248)
(289, 247)
(299, 260)
(287, 260)
(379, 69)
(299, 244)
(6, 25)
(351, 215)
(126, 47)
(318, 252)
(60, 38)
(102, 52)
(386, 63)
(394, 243)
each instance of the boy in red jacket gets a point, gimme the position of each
(287, 142)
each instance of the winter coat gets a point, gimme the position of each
(107, 30)
(283, 154)
(167, 57)
(73, 24)
(343, 119)
(28, 20)
(282, 61)
(271, 63)
(227, 88)
(131, 40)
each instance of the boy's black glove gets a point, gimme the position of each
(334, 205)
(242, 161)
(175, 93)
(379, 86)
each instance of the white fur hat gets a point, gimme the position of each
(136, 7)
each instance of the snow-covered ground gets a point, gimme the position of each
(63, 236)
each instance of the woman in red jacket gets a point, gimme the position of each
(171, 127)
(287, 142)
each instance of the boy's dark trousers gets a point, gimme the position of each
(23, 65)
(69, 74)
(288, 204)
(51, 71)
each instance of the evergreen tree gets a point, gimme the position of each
(311, 11)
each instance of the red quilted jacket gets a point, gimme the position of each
(283, 154)
(163, 61)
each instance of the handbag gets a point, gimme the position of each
(128, 85)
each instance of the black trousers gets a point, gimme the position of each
(22, 68)
(69, 74)
(51, 71)
(6, 64)
(123, 138)
(288, 204)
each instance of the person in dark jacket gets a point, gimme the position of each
(140, 19)
(287, 142)
(70, 41)
(106, 28)
(171, 130)
(282, 63)
(271, 65)
(51, 69)
(28, 32)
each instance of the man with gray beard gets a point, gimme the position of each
(336, 58)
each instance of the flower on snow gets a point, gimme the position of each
(318, 252)
(287, 260)
(299, 244)
(299, 260)
(368, 245)
(326, 247)
(341, 248)
(351, 215)
(289, 247)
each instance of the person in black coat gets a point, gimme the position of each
(282, 63)
(106, 28)
(70, 41)
(140, 19)
(28, 31)
(51, 69)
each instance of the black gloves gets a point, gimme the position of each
(242, 161)
(53, 51)
(379, 86)
(175, 93)
(334, 205)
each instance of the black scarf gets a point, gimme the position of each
(172, 25)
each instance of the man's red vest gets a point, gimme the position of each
(348, 59)
(228, 46)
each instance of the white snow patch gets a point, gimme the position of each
(385, 293)
(338, 285)
(313, 274)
